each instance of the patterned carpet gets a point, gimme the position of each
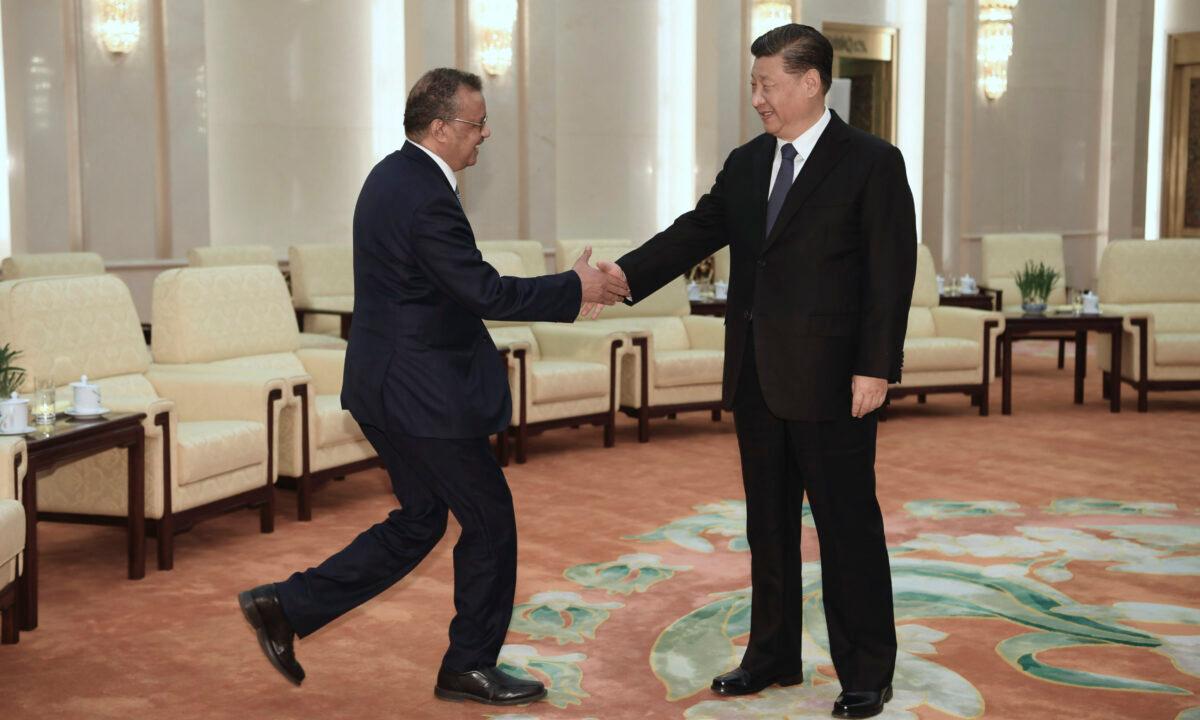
(1044, 564)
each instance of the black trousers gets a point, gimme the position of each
(834, 463)
(430, 477)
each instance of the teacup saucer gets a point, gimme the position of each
(94, 412)
(28, 429)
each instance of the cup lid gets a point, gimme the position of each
(14, 399)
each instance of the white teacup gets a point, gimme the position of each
(721, 288)
(86, 396)
(14, 414)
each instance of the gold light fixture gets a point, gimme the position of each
(118, 27)
(995, 45)
(494, 21)
(768, 14)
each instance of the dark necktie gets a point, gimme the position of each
(783, 183)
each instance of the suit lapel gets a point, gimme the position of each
(829, 150)
(417, 155)
(762, 158)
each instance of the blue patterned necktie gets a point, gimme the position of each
(783, 183)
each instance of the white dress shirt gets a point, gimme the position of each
(446, 168)
(804, 146)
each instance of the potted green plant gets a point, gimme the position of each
(1035, 281)
(11, 376)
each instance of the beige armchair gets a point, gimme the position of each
(559, 375)
(1154, 285)
(235, 320)
(12, 534)
(677, 360)
(227, 255)
(946, 349)
(209, 438)
(1002, 255)
(46, 264)
(323, 279)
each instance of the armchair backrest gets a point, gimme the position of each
(226, 255)
(81, 324)
(530, 252)
(566, 252)
(209, 314)
(925, 296)
(1004, 254)
(47, 264)
(1155, 276)
(321, 271)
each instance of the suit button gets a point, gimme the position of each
(748, 315)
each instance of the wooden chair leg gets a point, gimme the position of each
(1062, 353)
(671, 416)
(716, 416)
(920, 398)
(1105, 379)
(998, 359)
(522, 439)
(982, 397)
(643, 424)
(1143, 397)
(166, 542)
(304, 498)
(610, 432)
(266, 514)
(10, 634)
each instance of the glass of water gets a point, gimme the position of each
(43, 400)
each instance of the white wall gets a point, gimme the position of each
(1170, 17)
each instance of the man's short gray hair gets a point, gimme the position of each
(433, 97)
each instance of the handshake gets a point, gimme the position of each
(602, 285)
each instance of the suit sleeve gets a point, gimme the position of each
(445, 249)
(693, 236)
(890, 265)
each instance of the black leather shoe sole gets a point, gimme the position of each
(250, 612)
(866, 712)
(455, 696)
(786, 681)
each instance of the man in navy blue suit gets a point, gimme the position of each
(424, 382)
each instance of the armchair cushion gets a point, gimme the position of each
(676, 368)
(335, 425)
(211, 448)
(707, 333)
(925, 354)
(554, 380)
(1177, 348)
(531, 252)
(320, 271)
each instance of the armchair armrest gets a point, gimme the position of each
(966, 323)
(578, 343)
(705, 332)
(325, 366)
(13, 459)
(219, 396)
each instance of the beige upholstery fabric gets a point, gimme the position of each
(1156, 280)
(317, 340)
(943, 345)
(322, 277)
(236, 342)
(721, 265)
(88, 324)
(674, 368)
(1006, 253)
(531, 252)
(227, 255)
(505, 263)
(568, 380)
(566, 252)
(12, 513)
(47, 264)
(206, 314)
(213, 448)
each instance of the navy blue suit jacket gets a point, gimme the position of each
(420, 361)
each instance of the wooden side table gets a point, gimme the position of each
(977, 301)
(67, 440)
(713, 307)
(1018, 325)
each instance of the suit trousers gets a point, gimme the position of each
(833, 462)
(430, 476)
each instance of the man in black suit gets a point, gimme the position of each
(820, 224)
(424, 381)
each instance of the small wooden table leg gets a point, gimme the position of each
(1006, 374)
(1115, 361)
(29, 579)
(137, 507)
(1080, 364)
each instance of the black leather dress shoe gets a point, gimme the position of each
(861, 703)
(740, 682)
(489, 686)
(264, 613)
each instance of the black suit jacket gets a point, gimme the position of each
(827, 292)
(420, 361)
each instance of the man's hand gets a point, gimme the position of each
(591, 311)
(868, 392)
(599, 288)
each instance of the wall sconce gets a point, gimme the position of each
(767, 15)
(995, 45)
(118, 27)
(494, 21)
